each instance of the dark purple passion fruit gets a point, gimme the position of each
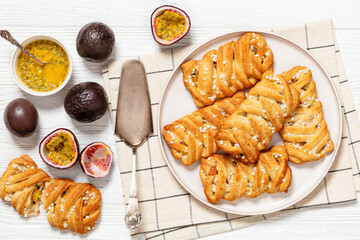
(96, 159)
(59, 149)
(174, 30)
(86, 102)
(95, 42)
(21, 117)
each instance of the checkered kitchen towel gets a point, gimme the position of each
(169, 212)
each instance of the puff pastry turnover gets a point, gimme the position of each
(224, 177)
(22, 184)
(250, 128)
(305, 133)
(192, 136)
(234, 66)
(70, 205)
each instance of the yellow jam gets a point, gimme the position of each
(36, 195)
(51, 75)
(61, 149)
(169, 25)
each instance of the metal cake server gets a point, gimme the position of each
(133, 124)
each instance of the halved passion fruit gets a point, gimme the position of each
(169, 24)
(60, 149)
(96, 159)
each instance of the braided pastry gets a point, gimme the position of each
(22, 184)
(305, 133)
(224, 177)
(192, 136)
(72, 205)
(234, 66)
(249, 129)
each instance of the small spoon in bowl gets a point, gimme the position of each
(47, 67)
(6, 35)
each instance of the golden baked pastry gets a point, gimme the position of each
(224, 177)
(192, 136)
(250, 128)
(70, 205)
(305, 133)
(22, 184)
(234, 66)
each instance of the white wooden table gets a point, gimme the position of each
(130, 21)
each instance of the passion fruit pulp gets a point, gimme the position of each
(59, 149)
(169, 24)
(96, 159)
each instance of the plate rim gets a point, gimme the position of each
(241, 32)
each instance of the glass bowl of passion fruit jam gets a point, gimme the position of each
(44, 80)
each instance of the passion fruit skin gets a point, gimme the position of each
(86, 102)
(159, 11)
(21, 117)
(82, 160)
(95, 42)
(46, 140)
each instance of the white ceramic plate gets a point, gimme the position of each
(176, 102)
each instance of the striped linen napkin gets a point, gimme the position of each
(169, 212)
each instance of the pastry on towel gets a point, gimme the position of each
(236, 65)
(192, 137)
(250, 128)
(22, 184)
(70, 205)
(225, 177)
(305, 133)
